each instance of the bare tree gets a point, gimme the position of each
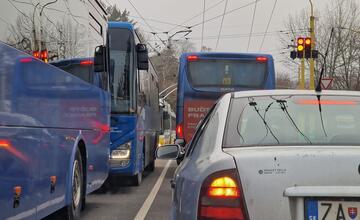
(343, 61)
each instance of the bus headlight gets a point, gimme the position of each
(122, 152)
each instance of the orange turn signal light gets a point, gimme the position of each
(223, 187)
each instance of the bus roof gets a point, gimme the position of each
(225, 55)
(119, 24)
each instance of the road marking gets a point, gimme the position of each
(151, 197)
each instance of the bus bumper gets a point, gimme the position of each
(122, 167)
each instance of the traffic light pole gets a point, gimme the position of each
(302, 74)
(312, 60)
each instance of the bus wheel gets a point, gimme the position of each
(72, 211)
(137, 179)
(151, 166)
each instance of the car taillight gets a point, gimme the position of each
(221, 197)
(180, 131)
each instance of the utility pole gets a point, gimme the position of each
(313, 39)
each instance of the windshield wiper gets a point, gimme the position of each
(286, 112)
(321, 116)
(254, 104)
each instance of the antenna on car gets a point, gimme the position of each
(318, 87)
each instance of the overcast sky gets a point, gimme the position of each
(236, 26)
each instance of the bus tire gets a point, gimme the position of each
(72, 211)
(137, 179)
(151, 166)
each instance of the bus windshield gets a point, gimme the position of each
(227, 73)
(121, 59)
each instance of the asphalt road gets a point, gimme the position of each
(123, 201)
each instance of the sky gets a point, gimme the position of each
(236, 25)
(164, 16)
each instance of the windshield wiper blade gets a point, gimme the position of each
(286, 112)
(321, 116)
(254, 104)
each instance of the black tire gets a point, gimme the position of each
(137, 179)
(151, 166)
(72, 211)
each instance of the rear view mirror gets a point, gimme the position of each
(100, 59)
(171, 152)
(142, 57)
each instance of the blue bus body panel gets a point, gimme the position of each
(187, 92)
(44, 113)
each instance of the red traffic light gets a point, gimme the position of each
(36, 54)
(308, 41)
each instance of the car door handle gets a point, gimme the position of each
(172, 184)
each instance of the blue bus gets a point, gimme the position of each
(135, 112)
(54, 135)
(205, 77)
(54, 127)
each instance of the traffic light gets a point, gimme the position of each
(36, 54)
(308, 48)
(300, 47)
(293, 54)
(42, 55)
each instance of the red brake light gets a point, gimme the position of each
(192, 58)
(180, 131)
(221, 197)
(325, 102)
(26, 60)
(5, 144)
(262, 59)
(86, 62)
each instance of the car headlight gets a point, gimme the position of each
(122, 152)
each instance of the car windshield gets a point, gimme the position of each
(227, 73)
(293, 120)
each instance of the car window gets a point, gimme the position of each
(293, 120)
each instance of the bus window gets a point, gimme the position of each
(227, 73)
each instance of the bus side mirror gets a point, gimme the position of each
(142, 57)
(100, 59)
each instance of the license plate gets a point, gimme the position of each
(331, 209)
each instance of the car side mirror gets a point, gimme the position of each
(100, 59)
(168, 152)
(142, 57)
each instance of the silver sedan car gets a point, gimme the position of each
(272, 155)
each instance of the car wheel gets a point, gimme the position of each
(72, 211)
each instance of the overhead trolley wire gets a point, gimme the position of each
(154, 32)
(197, 15)
(252, 26)
(228, 12)
(268, 25)
(221, 25)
